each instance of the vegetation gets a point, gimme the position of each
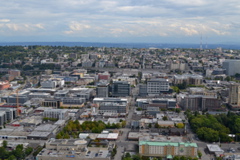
(18, 153)
(214, 128)
(49, 119)
(73, 128)
(128, 156)
(184, 158)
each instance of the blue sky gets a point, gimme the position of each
(154, 21)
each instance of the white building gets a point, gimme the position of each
(56, 113)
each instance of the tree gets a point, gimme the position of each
(28, 150)
(4, 144)
(12, 157)
(199, 154)
(180, 125)
(149, 125)
(127, 155)
(165, 118)
(3, 153)
(176, 158)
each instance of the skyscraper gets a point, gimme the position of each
(234, 95)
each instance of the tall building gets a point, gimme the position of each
(120, 89)
(156, 86)
(234, 95)
(102, 90)
(232, 66)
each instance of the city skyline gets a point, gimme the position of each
(165, 21)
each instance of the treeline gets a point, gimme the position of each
(213, 128)
(73, 128)
(18, 153)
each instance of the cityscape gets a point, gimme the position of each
(102, 103)
(120, 80)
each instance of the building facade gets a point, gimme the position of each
(234, 95)
(156, 86)
(231, 66)
(121, 89)
(167, 149)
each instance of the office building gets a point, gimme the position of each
(232, 66)
(120, 89)
(61, 114)
(113, 107)
(156, 86)
(102, 90)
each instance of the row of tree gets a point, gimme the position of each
(128, 156)
(73, 128)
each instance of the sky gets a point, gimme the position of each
(120, 21)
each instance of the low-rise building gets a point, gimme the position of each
(166, 147)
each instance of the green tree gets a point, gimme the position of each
(4, 144)
(3, 153)
(11, 157)
(199, 154)
(165, 118)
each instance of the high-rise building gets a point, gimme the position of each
(232, 66)
(234, 95)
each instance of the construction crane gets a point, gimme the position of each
(17, 101)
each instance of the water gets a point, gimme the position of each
(119, 45)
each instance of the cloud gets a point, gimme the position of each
(4, 20)
(188, 31)
(114, 18)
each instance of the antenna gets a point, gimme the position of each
(201, 42)
(206, 42)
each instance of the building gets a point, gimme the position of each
(103, 76)
(116, 100)
(15, 72)
(143, 90)
(188, 79)
(61, 114)
(178, 66)
(102, 90)
(3, 118)
(232, 66)
(75, 149)
(11, 113)
(86, 93)
(234, 95)
(120, 89)
(39, 95)
(166, 147)
(200, 103)
(53, 83)
(156, 86)
(162, 103)
(113, 107)
(4, 85)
